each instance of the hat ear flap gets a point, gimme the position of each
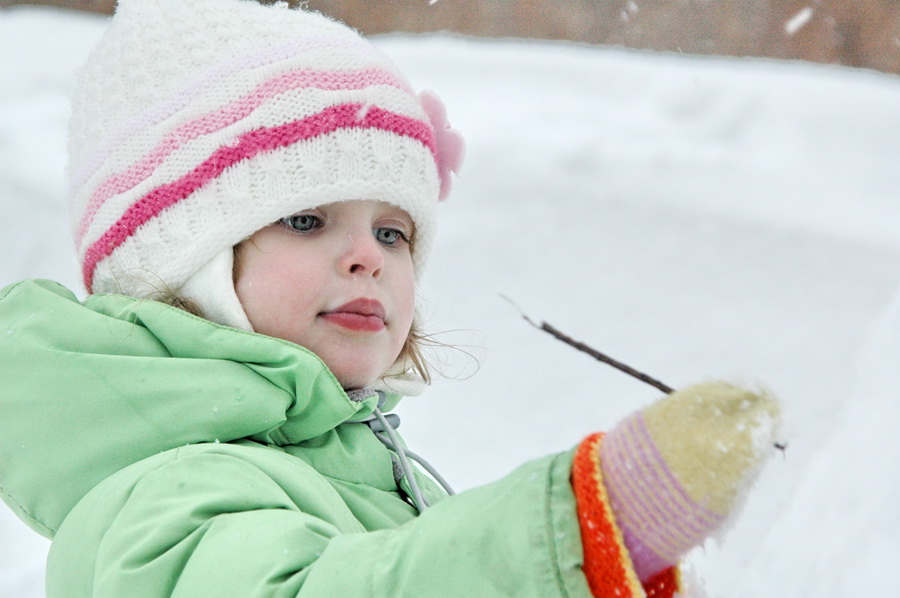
(211, 289)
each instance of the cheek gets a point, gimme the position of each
(406, 298)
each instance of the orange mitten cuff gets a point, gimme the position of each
(607, 564)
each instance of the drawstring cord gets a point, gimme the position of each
(393, 442)
(383, 426)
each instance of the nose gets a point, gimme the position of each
(363, 255)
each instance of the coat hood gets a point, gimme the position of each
(92, 387)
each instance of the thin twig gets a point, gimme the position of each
(593, 352)
(781, 446)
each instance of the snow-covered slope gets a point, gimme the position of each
(695, 217)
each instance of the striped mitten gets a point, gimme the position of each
(677, 469)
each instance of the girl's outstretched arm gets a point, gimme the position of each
(231, 520)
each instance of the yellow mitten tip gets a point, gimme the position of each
(714, 437)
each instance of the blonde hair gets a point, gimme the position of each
(170, 298)
(412, 350)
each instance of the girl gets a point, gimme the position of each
(254, 194)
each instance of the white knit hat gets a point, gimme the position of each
(195, 124)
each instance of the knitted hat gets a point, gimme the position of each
(195, 124)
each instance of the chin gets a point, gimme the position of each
(357, 373)
(354, 381)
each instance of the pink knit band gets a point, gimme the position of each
(345, 116)
(159, 112)
(218, 120)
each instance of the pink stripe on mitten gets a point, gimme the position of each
(677, 469)
(658, 519)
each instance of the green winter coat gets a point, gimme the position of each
(169, 456)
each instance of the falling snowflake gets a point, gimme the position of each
(798, 21)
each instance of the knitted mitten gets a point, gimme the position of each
(675, 470)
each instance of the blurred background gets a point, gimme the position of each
(859, 33)
(693, 215)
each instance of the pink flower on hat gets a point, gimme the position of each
(451, 146)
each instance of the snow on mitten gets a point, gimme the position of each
(677, 469)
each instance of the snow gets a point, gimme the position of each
(693, 217)
(798, 21)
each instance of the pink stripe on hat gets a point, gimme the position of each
(157, 113)
(247, 146)
(215, 121)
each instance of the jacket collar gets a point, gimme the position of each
(129, 379)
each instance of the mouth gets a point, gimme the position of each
(363, 315)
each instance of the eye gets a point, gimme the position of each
(390, 236)
(303, 223)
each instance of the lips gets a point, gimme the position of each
(364, 315)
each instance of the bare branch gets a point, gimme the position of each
(593, 352)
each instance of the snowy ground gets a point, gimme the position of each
(695, 217)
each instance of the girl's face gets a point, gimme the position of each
(338, 280)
